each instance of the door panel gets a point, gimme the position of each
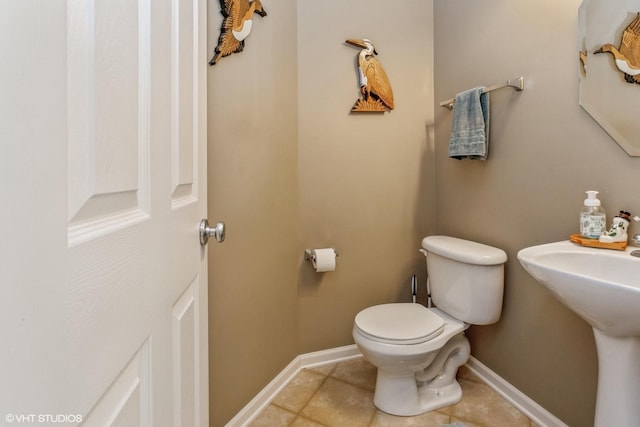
(186, 351)
(109, 83)
(185, 97)
(103, 280)
(127, 401)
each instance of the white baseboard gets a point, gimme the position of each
(308, 360)
(514, 396)
(522, 402)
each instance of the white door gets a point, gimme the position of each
(103, 286)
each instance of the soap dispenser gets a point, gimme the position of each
(593, 219)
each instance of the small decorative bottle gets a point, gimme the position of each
(593, 219)
(618, 230)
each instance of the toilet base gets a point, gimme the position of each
(409, 394)
(403, 397)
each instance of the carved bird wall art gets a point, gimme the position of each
(236, 26)
(627, 56)
(375, 88)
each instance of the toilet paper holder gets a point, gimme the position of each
(309, 256)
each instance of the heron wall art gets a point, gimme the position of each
(375, 88)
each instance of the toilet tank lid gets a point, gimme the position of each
(464, 250)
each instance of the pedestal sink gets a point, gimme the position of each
(603, 287)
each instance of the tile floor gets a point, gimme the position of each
(341, 394)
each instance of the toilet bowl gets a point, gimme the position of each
(410, 381)
(418, 350)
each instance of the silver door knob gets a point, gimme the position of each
(205, 232)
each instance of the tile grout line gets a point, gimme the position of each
(299, 413)
(295, 415)
(343, 381)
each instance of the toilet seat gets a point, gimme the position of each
(399, 323)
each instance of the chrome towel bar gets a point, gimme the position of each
(517, 84)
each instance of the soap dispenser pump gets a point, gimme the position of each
(593, 219)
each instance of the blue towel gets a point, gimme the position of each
(470, 127)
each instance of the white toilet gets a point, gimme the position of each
(418, 350)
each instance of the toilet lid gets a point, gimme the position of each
(402, 323)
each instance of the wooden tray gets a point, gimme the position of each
(595, 243)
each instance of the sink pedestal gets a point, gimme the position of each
(618, 380)
(601, 287)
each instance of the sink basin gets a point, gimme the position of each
(603, 287)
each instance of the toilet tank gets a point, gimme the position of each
(466, 278)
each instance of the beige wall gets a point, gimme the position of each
(290, 168)
(365, 179)
(253, 187)
(544, 152)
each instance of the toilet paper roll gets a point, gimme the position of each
(323, 259)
